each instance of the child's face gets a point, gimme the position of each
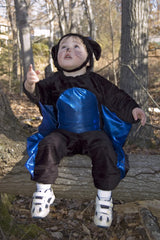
(71, 53)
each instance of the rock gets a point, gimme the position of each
(57, 235)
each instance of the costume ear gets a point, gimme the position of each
(95, 47)
(54, 52)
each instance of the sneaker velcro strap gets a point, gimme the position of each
(100, 210)
(105, 204)
(38, 197)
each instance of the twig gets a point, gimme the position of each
(27, 231)
(90, 204)
(141, 84)
(154, 126)
(3, 236)
(137, 130)
(148, 124)
(107, 65)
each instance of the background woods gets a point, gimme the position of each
(128, 32)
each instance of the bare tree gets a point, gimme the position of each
(51, 27)
(24, 34)
(90, 17)
(112, 39)
(134, 48)
(58, 9)
(12, 19)
(77, 16)
(65, 16)
(134, 51)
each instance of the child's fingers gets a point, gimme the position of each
(37, 72)
(30, 68)
(143, 120)
(142, 117)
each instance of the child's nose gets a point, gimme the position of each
(68, 49)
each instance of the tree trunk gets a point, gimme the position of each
(9, 124)
(51, 37)
(134, 56)
(134, 48)
(24, 34)
(59, 15)
(90, 17)
(112, 40)
(12, 19)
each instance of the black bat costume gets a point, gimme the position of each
(86, 114)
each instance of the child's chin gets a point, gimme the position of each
(69, 68)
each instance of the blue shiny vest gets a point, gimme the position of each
(78, 111)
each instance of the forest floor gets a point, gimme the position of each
(72, 219)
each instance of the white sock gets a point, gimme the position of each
(104, 194)
(42, 187)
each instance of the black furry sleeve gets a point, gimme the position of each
(117, 100)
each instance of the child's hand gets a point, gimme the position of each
(32, 76)
(138, 113)
(32, 79)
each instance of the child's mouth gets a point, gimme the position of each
(68, 56)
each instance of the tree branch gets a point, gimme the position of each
(154, 126)
(107, 65)
(141, 84)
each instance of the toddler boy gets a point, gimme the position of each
(84, 103)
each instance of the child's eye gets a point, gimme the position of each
(76, 46)
(63, 46)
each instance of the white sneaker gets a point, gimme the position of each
(41, 203)
(103, 213)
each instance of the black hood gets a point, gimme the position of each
(93, 48)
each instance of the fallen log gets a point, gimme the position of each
(75, 180)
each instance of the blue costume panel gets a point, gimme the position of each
(78, 111)
(118, 131)
(48, 124)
